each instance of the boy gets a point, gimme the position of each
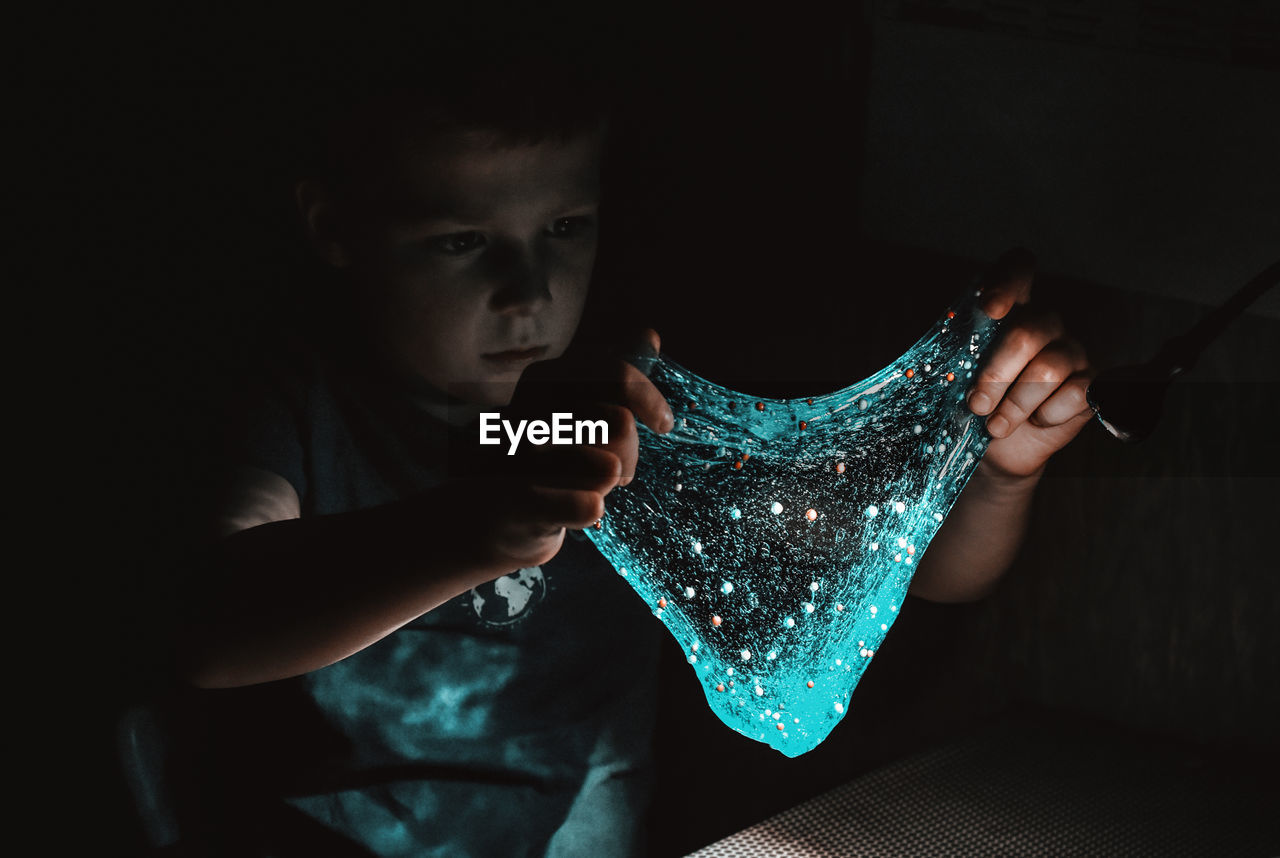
(468, 243)
(452, 669)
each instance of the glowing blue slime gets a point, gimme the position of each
(776, 538)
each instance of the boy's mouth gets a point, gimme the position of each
(515, 357)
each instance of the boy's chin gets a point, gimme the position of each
(491, 394)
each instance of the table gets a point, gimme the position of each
(1019, 788)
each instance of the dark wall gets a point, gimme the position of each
(1125, 155)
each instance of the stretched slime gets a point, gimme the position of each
(776, 538)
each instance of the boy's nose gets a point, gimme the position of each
(521, 288)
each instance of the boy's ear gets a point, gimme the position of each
(319, 212)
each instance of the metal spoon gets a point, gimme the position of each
(1129, 400)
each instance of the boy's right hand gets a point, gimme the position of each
(535, 494)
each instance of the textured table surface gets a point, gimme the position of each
(1022, 790)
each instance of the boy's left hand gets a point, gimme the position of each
(605, 385)
(1032, 385)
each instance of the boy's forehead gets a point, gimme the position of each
(473, 173)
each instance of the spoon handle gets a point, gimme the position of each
(1180, 353)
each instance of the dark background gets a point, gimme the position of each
(793, 197)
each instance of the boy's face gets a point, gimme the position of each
(471, 260)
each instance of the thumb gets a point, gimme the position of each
(1007, 282)
(641, 349)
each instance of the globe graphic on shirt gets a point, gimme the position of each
(509, 599)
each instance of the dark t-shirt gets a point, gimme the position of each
(513, 720)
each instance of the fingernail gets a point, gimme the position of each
(979, 403)
(668, 420)
(997, 426)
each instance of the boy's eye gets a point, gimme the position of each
(457, 243)
(568, 227)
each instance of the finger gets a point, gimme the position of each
(525, 524)
(647, 342)
(1067, 403)
(555, 508)
(641, 348)
(638, 394)
(624, 385)
(573, 467)
(623, 441)
(1015, 349)
(1068, 429)
(619, 380)
(1008, 282)
(1038, 382)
